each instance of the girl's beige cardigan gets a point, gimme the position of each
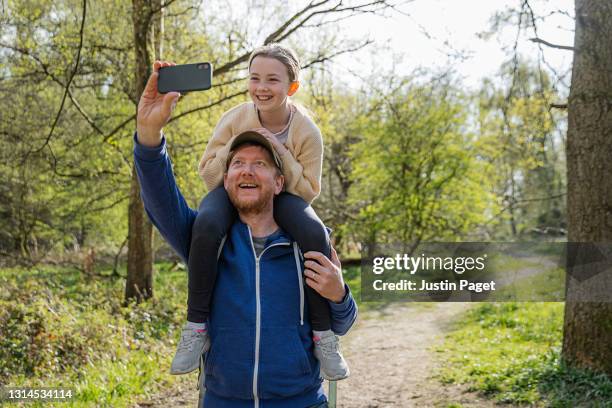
(302, 163)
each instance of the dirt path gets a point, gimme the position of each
(391, 362)
(391, 359)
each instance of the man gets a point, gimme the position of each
(261, 352)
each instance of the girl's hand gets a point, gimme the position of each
(278, 146)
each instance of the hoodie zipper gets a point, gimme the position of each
(258, 311)
(298, 258)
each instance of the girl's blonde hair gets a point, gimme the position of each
(281, 53)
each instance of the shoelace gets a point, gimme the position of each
(329, 348)
(188, 337)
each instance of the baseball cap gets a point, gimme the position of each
(256, 137)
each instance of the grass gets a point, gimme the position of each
(58, 329)
(352, 277)
(511, 352)
(547, 285)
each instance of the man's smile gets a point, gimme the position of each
(247, 185)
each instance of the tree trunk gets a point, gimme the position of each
(587, 337)
(148, 37)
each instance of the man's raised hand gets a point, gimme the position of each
(154, 109)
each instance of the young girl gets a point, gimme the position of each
(273, 77)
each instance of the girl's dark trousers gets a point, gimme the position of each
(215, 217)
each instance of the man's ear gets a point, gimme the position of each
(280, 182)
(293, 87)
(225, 180)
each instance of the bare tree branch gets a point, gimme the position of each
(210, 105)
(531, 14)
(231, 81)
(362, 8)
(373, 11)
(561, 47)
(275, 34)
(116, 262)
(229, 65)
(74, 70)
(551, 197)
(185, 11)
(109, 206)
(119, 127)
(323, 58)
(558, 105)
(164, 5)
(55, 79)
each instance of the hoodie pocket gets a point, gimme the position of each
(230, 362)
(284, 366)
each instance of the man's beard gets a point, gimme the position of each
(252, 206)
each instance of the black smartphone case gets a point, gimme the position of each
(185, 78)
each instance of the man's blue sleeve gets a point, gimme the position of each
(343, 314)
(162, 199)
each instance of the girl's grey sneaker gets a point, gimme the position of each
(193, 344)
(327, 351)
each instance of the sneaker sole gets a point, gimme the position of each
(338, 378)
(185, 371)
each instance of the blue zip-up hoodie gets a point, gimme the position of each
(261, 351)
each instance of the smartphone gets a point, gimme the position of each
(185, 78)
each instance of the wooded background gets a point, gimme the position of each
(408, 157)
